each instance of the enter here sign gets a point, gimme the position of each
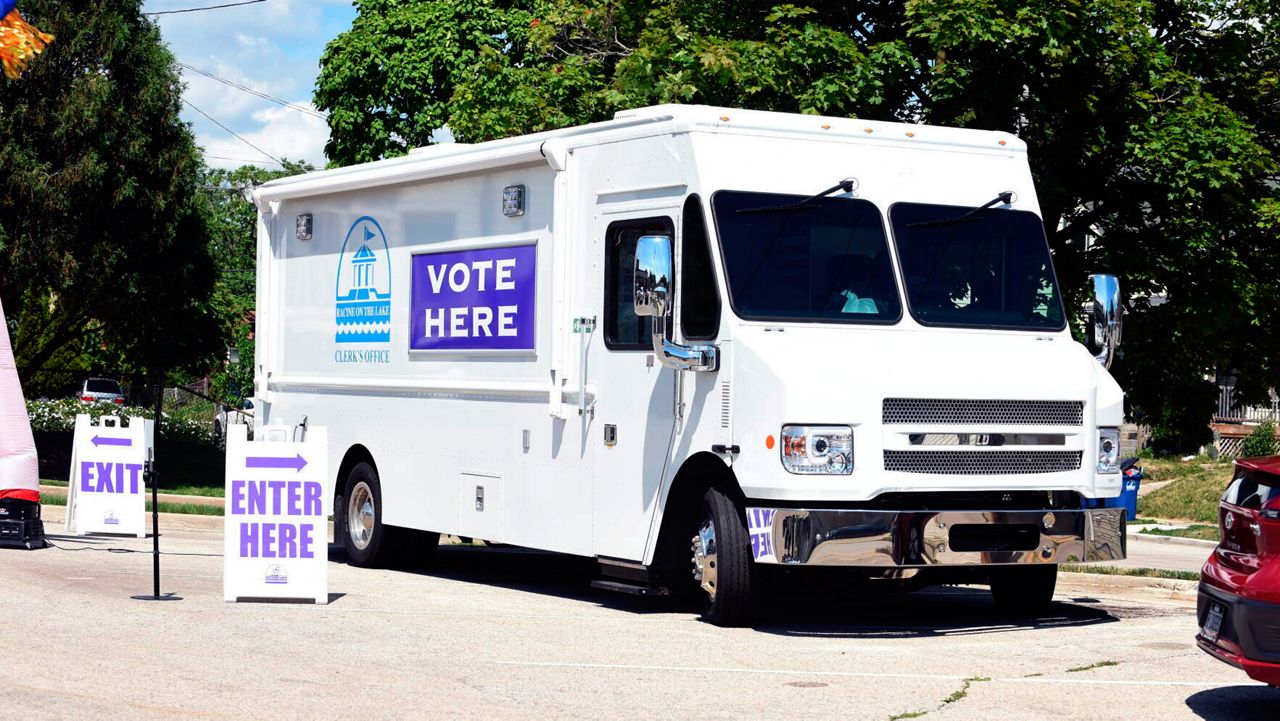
(276, 541)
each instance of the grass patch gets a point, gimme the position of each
(1090, 667)
(1202, 532)
(205, 491)
(1124, 571)
(959, 695)
(50, 499)
(1192, 495)
(195, 509)
(1142, 521)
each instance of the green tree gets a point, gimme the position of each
(1261, 441)
(233, 224)
(103, 237)
(1152, 126)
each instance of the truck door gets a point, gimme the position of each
(702, 414)
(635, 394)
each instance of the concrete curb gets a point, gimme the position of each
(1163, 588)
(1174, 540)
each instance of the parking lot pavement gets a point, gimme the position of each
(491, 632)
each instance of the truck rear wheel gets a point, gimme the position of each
(722, 563)
(1024, 590)
(370, 543)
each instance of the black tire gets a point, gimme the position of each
(370, 543)
(1024, 591)
(734, 595)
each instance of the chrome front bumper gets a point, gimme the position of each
(908, 539)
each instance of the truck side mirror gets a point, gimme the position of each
(652, 296)
(1103, 319)
(652, 280)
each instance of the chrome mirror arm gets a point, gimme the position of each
(698, 358)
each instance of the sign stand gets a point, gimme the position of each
(107, 492)
(153, 480)
(276, 539)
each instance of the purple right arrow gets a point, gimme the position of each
(297, 462)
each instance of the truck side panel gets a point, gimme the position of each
(438, 423)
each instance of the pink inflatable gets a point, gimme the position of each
(19, 472)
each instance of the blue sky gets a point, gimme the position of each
(273, 47)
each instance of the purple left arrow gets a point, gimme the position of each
(297, 462)
(108, 441)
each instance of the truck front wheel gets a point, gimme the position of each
(722, 564)
(370, 543)
(1024, 590)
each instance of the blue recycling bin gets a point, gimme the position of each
(1129, 497)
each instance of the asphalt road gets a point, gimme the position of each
(502, 633)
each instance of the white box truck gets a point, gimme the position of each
(698, 344)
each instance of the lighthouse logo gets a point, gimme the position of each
(363, 294)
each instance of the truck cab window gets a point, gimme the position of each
(623, 329)
(700, 299)
(976, 268)
(789, 258)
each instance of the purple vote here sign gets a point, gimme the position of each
(470, 300)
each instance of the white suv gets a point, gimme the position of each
(228, 416)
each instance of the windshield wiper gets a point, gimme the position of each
(1004, 198)
(845, 185)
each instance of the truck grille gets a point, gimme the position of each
(983, 412)
(973, 463)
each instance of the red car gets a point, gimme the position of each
(1239, 603)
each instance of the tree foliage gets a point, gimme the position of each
(1152, 125)
(1261, 442)
(103, 238)
(233, 236)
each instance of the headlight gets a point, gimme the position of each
(1108, 450)
(818, 449)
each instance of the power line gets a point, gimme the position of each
(208, 7)
(229, 130)
(256, 93)
(238, 160)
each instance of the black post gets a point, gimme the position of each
(155, 494)
(152, 478)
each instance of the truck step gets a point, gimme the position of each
(631, 589)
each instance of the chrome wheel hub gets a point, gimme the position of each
(704, 557)
(360, 515)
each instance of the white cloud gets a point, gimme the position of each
(283, 133)
(273, 47)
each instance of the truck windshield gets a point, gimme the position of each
(823, 259)
(984, 269)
